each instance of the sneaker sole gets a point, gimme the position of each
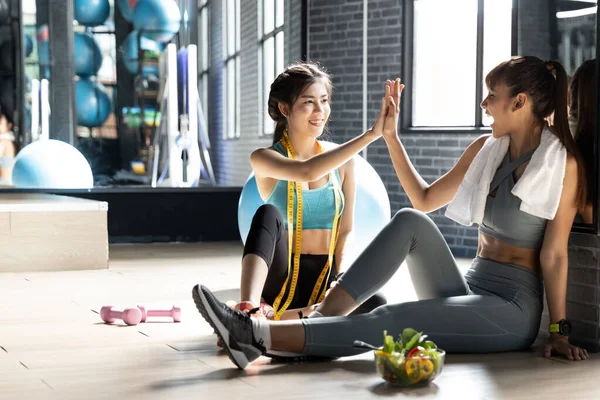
(299, 359)
(237, 357)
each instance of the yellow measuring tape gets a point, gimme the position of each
(294, 272)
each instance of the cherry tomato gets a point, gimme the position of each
(415, 351)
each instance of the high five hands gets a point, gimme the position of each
(386, 124)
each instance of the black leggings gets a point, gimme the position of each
(268, 239)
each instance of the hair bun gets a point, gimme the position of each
(274, 111)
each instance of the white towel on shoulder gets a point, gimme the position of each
(539, 188)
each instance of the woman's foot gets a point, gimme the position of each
(233, 327)
(263, 311)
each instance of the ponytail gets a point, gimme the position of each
(560, 127)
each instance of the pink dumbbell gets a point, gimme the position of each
(174, 313)
(131, 316)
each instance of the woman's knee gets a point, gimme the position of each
(267, 212)
(409, 217)
(375, 301)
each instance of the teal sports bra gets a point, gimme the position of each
(318, 205)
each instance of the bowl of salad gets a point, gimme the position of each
(412, 360)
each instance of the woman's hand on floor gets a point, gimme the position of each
(561, 345)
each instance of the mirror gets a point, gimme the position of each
(16, 30)
(138, 118)
(566, 30)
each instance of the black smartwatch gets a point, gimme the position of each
(562, 327)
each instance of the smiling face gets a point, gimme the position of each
(503, 109)
(311, 110)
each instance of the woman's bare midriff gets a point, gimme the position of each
(314, 241)
(493, 249)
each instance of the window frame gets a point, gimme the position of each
(228, 59)
(408, 69)
(203, 74)
(263, 37)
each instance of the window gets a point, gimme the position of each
(231, 69)
(446, 78)
(203, 52)
(272, 43)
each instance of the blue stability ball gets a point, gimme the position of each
(28, 45)
(126, 7)
(91, 12)
(157, 19)
(87, 55)
(51, 164)
(371, 212)
(130, 53)
(92, 103)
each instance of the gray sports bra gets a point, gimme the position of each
(502, 218)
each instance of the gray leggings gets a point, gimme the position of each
(495, 307)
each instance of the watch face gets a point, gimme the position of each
(565, 327)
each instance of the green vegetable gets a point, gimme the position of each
(407, 335)
(412, 343)
(428, 344)
(388, 343)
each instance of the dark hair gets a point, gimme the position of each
(288, 86)
(6, 112)
(545, 82)
(582, 110)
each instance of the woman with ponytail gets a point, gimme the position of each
(582, 119)
(286, 272)
(522, 185)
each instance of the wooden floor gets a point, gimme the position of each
(54, 345)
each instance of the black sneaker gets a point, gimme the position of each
(233, 327)
(295, 358)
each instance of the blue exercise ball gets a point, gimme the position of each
(91, 12)
(44, 53)
(129, 50)
(157, 19)
(87, 55)
(28, 45)
(51, 164)
(126, 7)
(371, 210)
(92, 103)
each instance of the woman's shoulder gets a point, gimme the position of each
(571, 165)
(327, 145)
(341, 171)
(277, 147)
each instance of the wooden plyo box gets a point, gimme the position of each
(44, 232)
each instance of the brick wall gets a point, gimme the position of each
(583, 291)
(534, 28)
(293, 31)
